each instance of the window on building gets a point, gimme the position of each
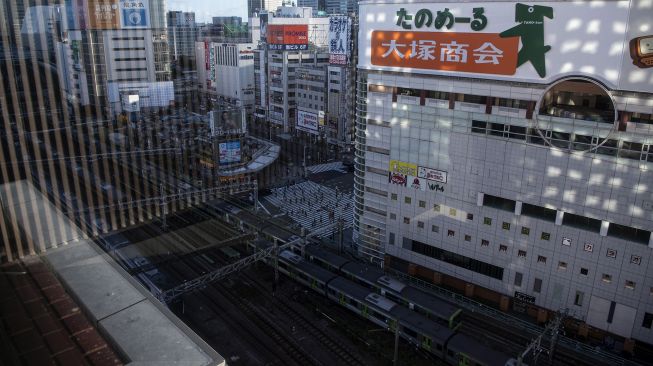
(468, 237)
(407, 200)
(487, 221)
(393, 216)
(503, 248)
(391, 239)
(470, 216)
(505, 226)
(545, 236)
(521, 253)
(420, 224)
(452, 212)
(584, 271)
(648, 320)
(435, 228)
(537, 286)
(451, 233)
(611, 253)
(406, 220)
(393, 196)
(422, 204)
(562, 265)
(518, 279)
(606, 278)
(541, 259)
(636, 259)
(436, 207)
(588, 247)
(630, 285)
(485, 243)
(578, 299)
(525, 230)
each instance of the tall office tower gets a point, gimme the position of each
(123, 49)
(505, 150)
(259, 6)
(341, 6)
(182, 34)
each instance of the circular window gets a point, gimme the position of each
(577, 114)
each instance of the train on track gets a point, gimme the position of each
(423, 320)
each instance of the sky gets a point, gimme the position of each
(206, 9)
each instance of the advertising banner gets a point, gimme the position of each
(287, 37)
(263, 18)
(538, 42)
(229, 152)
(400, 167)
(135, 13)
(414, 182)
(320, 118)
(207, 61)
(212, 63)
(307, 122)
(227, 122)
(432, 174)
(103, 14)
(339, 34)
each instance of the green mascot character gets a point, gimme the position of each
(531, 31)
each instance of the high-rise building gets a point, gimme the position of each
(225, 73)
(505, 150)
(259, 6)
(183, 32)
(280, 57)
(341, 6)
(123, 50)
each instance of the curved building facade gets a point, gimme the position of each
(506, 149)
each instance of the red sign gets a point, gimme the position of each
(206, 55)
(484, 53)
(287, 34)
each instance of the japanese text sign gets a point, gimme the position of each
(467, 52)
(103, 14)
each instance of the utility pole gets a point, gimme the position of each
(395, 359)
(535, 347)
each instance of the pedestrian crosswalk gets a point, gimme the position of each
(336, 165)
(314, 206)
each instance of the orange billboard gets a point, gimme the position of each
(287, 34)
(483, 53)
(103, 14)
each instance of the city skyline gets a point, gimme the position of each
(205, 11)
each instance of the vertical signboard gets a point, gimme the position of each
(135, 13)
(263, 17)
(339, 34)
(212, 63)
(206, 55)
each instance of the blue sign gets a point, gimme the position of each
(134, 18)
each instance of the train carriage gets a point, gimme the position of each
(328, 260)
(362, 273)
(305, 272)
(465, 351)
(422, 331)
(420, 301)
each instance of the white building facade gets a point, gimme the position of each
(225, 72)
(513, 152)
